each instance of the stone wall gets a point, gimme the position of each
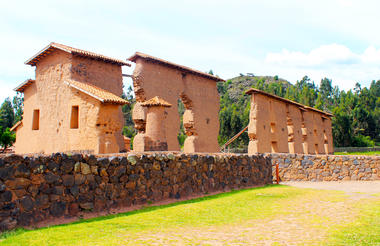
(299, 167)
(39, 189)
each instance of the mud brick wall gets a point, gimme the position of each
(35, 189)
(298, 167)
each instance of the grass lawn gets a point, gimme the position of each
(363, 231)
(276, 214)
(358, 153)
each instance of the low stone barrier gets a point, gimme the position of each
(38, 189)
(298, 167)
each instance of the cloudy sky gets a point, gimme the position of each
(338, 39)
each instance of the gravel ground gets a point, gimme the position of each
(368, 187)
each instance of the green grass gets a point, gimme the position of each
(358, 153)
(236, 208)
(226, 208)
(364, 230)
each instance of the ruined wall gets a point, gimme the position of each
(103, 75)
(280, 127)
(199, 95)
(54, 100)
(299, 167)
(38, 189)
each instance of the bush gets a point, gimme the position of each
(7, 138)
(363, 141)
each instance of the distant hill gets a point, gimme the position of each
(237, 86)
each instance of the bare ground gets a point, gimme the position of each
(307, 223)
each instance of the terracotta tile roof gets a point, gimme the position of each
(156, 101)
(96, 92)
(173, 65)
(14, 128)
(301, 106)
(55, 46)
(24, 85)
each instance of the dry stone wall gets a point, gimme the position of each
(39, 189)
(299, 167)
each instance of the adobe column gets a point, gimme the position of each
(155, 136)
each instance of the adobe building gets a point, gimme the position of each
(198, 92)
(73, 104)
(279, 125)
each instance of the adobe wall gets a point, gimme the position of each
(299, 167)
(279, 127)
(103, 75)
(199, 95)
(47, 95)
(54, 99)
(35, 190)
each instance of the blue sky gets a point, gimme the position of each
(338, 39)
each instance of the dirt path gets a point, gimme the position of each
(367, 187)
(306, 223)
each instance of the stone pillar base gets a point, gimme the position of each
(305, 148)
(326, 148)
(291, 147)
(139, 142)
(253, 147)
(190, 145)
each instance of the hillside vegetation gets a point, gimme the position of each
(357, 111)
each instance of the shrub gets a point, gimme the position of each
(363, 141)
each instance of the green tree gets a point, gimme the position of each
(357, 111)
(7, 115)
(128, 129)
(7, 138)
(18, 102)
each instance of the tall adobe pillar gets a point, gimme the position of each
(155, 135)
(153, 76)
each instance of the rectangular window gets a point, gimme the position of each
(74, 122)
(36, 119)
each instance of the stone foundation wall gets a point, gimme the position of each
(298, 167)
(38, 189)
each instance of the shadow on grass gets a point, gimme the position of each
(20, 231)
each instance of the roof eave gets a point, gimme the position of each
(301, 106)
(119, 63)
(23, 85)
(84, 91)
(15, 126)
(173, 65)
(102, 100)
(30, 60)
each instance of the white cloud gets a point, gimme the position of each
(334, 61)
(321, 56)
